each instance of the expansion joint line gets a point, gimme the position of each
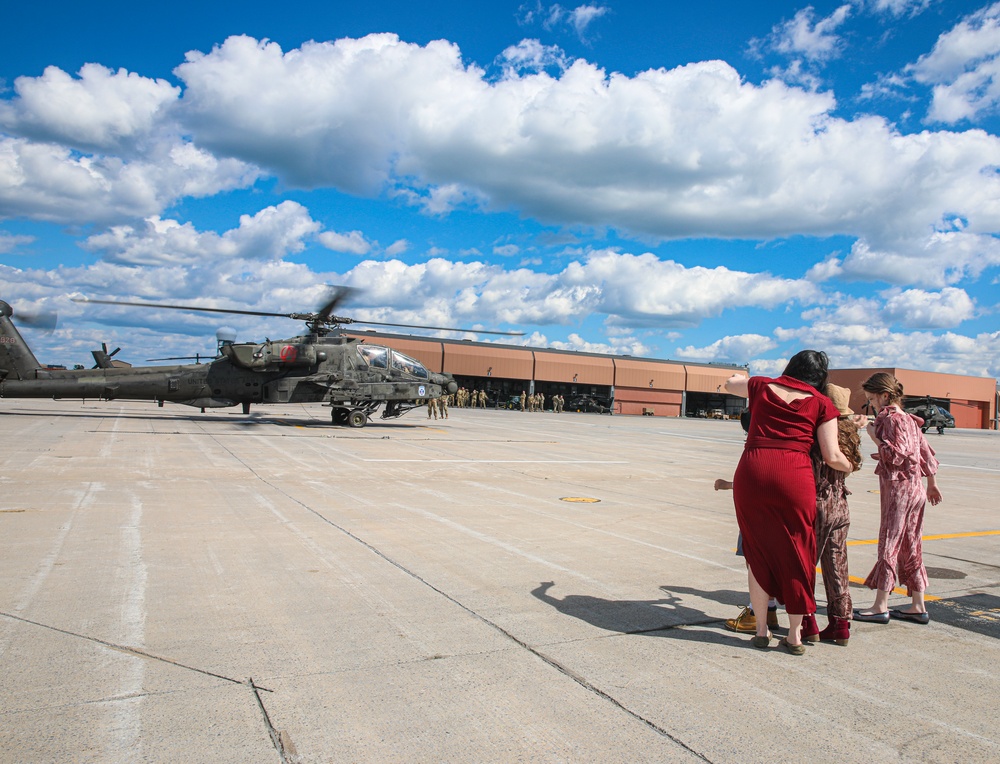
(590, 687)
(124, 649)
(277, 739)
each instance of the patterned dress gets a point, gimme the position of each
(775, 492)
(904, 459)
(833, 521)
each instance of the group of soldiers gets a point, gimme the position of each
(536, 402)
(478, 398)
(438, 405)
(466, 399)
(463, 399)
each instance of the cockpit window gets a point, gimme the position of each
(407, 365)
(375, 356)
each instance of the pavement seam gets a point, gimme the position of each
(279, 741)
(537, 653)
(125, 649)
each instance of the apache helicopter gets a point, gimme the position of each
(353, 377)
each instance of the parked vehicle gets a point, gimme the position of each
(586, 403)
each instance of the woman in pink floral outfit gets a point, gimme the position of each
(904, 458)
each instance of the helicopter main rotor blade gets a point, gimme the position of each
(46, 321)
(324, 317)
(185, 307)
(440, 328)
(338, 295)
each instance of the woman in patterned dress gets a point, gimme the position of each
(904, 457)
(833, 521)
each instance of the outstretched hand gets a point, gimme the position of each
(723, 485)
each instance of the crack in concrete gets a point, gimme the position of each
(548, 660)
(125, 649)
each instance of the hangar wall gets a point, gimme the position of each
(662, 387)
(972, 400)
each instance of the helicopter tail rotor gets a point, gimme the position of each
(102, 357)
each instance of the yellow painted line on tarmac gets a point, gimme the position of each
(866, 542)
(937, 537)
(897, 590)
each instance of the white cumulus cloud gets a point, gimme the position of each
(917, 309)
(737, 349)
(272, 233)
(964, 68)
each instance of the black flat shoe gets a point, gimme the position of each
(902, 615)
(871, 617)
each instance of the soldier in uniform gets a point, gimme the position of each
(523, 398)
(443, 406)
(432, 408)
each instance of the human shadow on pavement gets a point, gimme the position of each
(722, 596)
(658, 617)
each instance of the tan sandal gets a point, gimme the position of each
(761, 643)
(793, 649)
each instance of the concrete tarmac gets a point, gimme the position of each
(494, 587)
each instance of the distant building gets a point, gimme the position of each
(971, 400)
(655, 387)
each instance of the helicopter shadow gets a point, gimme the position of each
(660, 617)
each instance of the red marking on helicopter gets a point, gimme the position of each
(289, 353)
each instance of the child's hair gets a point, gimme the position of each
(850, 442)
(883, 382)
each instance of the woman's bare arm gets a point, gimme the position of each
(829, 446)
(738, 384)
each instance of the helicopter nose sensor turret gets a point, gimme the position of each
(447, 382)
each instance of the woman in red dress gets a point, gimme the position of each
(775, 491)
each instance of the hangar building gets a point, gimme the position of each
(655, 387)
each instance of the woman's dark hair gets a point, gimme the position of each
(809, 366)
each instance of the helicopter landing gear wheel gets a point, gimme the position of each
(357, 418)
(340, 416)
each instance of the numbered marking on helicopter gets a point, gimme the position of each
(289, 353)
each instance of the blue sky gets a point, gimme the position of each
(723, 181)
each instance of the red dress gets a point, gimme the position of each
(775, 492)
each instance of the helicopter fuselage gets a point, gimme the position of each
(349, 375)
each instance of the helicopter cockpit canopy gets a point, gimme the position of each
(378, 357)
